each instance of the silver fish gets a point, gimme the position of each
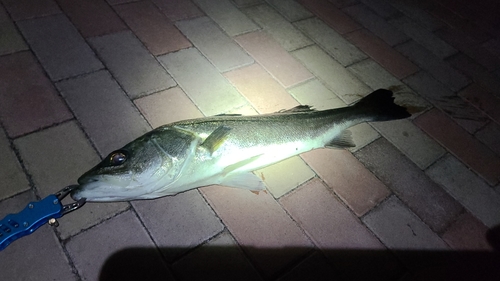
(225, 149)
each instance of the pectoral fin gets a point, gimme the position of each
(216, 139)
(342, 141)
(244, 180)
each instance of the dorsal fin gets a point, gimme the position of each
(299, 108)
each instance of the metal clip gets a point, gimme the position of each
(68, 208)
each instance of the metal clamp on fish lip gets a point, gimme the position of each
(36, 214)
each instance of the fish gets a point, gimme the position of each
(225, 149)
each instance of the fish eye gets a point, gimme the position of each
(117, 158)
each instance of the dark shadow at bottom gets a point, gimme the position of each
(220, 263)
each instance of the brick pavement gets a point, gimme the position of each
(416, 199)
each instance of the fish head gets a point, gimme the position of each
(132, 172)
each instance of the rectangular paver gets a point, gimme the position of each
(424, 37)
(291, 10)
(424, 197)
(157, 33)
(460, 143)
(11, 40)
(467, 233)
(219, 259)
(382, 53)
(28, 100)
(260, 89)
(274, 58)
(409, 139)
(278, 27)
(92, 17)
(178, 9)
(45, 156)
(131, 64)
(92, 95)
(96, 253)
(470, 190)
(399, 228)
(333, 74)
(201, 81)
(348, 178)
(219, 48)
(490, 136)
(483, 100)
(332, 42)
(27, 9)
(376, 24)
(59, 47)
(331, 15)
(461, 111)
(442, 71)
(227, 16)
(11, 174)
(258, 222)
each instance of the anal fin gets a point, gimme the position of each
(343, 140)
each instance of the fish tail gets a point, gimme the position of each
(380, 106)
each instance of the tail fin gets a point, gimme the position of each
(380, 106)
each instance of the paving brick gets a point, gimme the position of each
(483, 100)
(399, 228)
(157, 33)
(258, 222)
(413, 9)
(92, 95)
(436, 67)
(276, 60)
(11, 40)
(490, 136)
(465, 147)
(467, 234)
(487, 80)
(469, 47)
(424, 197)
(192, 220)
(92, 17)
(382, 53)
(11, 174)
(178, 9)
(332, 42)
(347, 177)
(28, 100)
(59, 47)
(219, 259)
(125, 57)
(35, 255)
(373, 75)
(45, 156)
(219, 49)
(315, 94)
(166, 107)
(201, 81)
(264, 93)
(382, 8)
(493, 46)
(424, 37)
(480, 199)
(315, 267)
(291, 10)
(278, 27)
(227, 16)
(331, 15)
(26, 9)
(99, 252)
(284, 176)
(376, 24)
(332, 74)
(409, 139)
(118, 2)
(462, 112)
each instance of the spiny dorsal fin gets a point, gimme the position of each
(216, 139)
(343, 140)
(299, 108)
